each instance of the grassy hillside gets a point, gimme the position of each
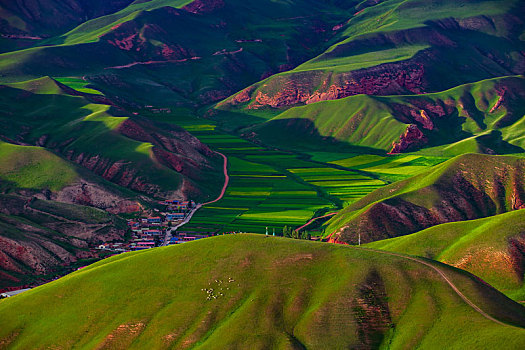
(129, 150)
(33, 167)
(491, 248)
(171, 52)
(247, 291)
(464, 188)
(37, 19)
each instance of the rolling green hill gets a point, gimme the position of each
(485, 117)
(491, 248)
(248, 291)
(401, 47)
(466, 187)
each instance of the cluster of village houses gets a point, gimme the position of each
(149, 232)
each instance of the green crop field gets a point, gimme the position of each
(78, 84)
(273, 188)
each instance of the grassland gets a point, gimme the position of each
(288, 294)
(34, 168)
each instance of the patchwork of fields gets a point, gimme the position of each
(273, 188)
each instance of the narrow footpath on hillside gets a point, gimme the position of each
(315, 219)
(444, 276)
(168, 235)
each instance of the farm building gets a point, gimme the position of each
(154, 220)
(175, 216)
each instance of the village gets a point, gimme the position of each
(159, 229)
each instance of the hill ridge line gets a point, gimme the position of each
(449, 282)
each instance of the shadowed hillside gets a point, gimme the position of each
(485, 117)
(245, 291)
(131, 151)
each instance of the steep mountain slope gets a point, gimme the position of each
(402, 47)
(467, 187)
(47, 218)
(246, 291)
(31, 18)
(485, 116)
(492, 248)
(39, 238)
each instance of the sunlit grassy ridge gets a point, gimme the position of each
(466, 187)
(490, 248)
(34, 168)
(251, 291)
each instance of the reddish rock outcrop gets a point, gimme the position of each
(204, 6)
(298, 88)
(501, 99)
(411, 138)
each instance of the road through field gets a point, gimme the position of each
(168, 235)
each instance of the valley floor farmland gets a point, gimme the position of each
(273, 188)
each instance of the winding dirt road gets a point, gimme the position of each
(168, 235)
(226, 180)
(450, 283)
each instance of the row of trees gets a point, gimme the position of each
(288, 232)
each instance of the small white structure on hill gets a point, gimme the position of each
(12, 293)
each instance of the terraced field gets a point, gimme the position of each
(260, 194)
(348, 186)
(273, 188)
